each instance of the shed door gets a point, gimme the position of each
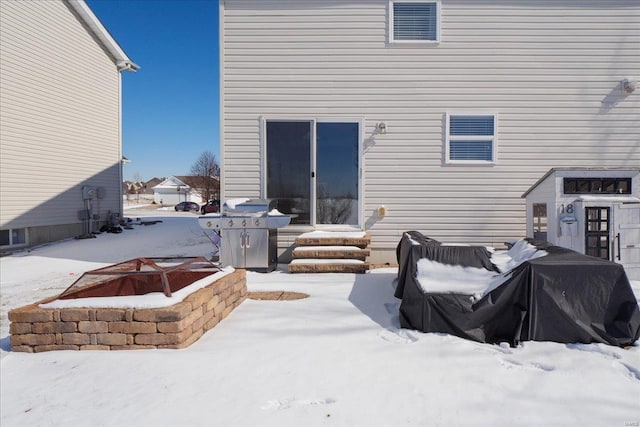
(597, 226)
(626, 248)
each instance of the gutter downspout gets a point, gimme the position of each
(221, 77)
(120, 162)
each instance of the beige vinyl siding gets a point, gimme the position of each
(59, 117)
(550, 69)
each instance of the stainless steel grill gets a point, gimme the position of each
(248, 231)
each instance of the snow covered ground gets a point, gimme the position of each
(336, 358)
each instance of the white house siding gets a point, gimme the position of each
(550, 69)
(59, 120)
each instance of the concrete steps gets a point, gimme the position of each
(331, 252)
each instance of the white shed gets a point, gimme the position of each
(595, 211)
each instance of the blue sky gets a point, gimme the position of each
(170, 110)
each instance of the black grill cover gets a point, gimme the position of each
(564, 297)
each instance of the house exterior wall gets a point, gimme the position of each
(550, 70)
(60, 121)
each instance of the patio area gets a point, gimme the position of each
(338, 357)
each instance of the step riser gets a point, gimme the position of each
(359, 255)
(320, 254)
(361, 243)
(328, 268)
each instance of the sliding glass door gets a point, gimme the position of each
(288, 151)
(337, 169)
(313, 170)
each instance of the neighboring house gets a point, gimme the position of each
(173, 190)
(200, 183)
(177, 189)
(148, 186)
(60, 126)
(435, 116)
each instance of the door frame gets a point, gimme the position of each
(313, 201)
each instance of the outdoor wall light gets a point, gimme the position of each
(381, 128)
(629, 85)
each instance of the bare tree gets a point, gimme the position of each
(205, 172)
(137, 185)
(333, 210)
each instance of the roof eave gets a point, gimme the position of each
(122, 61)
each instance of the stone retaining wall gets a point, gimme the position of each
(35, 329)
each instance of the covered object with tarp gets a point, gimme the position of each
(553, 294)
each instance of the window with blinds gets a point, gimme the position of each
(414, 21)
(471, 138)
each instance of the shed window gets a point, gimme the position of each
(540, 221)
(597, 185)
(414, 21)
(470, 138)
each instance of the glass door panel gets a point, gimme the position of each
(597, 232)
(337, 169)
(288, 151)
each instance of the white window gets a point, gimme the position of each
(414, 21)
(17, 236)
(471, 138)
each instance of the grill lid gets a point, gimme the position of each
(250, 207)
(246, 213)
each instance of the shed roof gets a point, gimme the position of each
(554, 170)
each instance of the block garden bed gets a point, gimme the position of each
(57, 324)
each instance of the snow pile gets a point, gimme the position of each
(435, 277)
(150, 300)
(520, 252)
(335, 234)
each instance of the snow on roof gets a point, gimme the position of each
(171, 182)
